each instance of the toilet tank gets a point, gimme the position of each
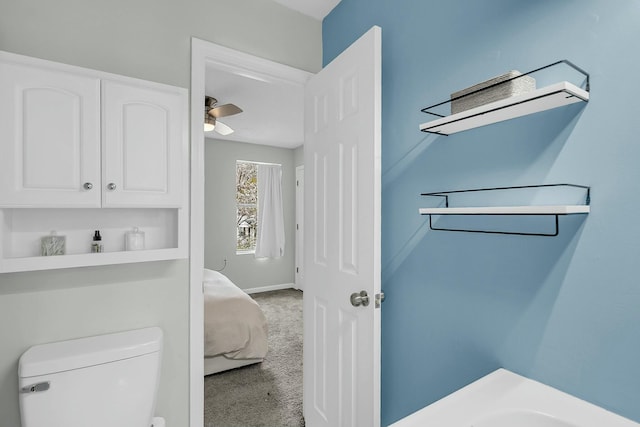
(102, 381)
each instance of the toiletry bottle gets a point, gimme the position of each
(96, 246)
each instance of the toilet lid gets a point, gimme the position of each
(80, 353)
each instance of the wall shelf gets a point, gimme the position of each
(549, 97)
(509, 210)
(21, 230)
(523, 210)
(89, 259)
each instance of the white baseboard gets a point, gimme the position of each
(270, 288)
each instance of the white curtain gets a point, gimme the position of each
(270, 239)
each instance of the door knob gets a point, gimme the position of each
(88, 186)
(111, 186)
(360, 298)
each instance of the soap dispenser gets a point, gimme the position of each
(96, 246)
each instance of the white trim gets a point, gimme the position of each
(270, 288)
(196, 259)
(253, 67)
(258, 163)
(205, 54)
(87, 72)
(247, 252)
(299, 231)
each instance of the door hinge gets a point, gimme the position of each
(379, 299)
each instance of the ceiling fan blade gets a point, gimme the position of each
(223, 129)
(225, 110)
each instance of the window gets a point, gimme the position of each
(246, 206)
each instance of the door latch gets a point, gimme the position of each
(379, 299)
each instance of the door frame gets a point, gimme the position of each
(299, 255)
(206, 54)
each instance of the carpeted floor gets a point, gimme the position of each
(268, 394)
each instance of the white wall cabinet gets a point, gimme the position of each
(60, 130)
(142, 153)
(74, 142)
(50, 137)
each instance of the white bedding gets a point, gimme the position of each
(234, 324)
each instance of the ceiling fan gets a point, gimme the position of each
(213, 111)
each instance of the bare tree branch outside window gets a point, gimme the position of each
(247, 205)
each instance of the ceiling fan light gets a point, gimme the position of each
(209, 123)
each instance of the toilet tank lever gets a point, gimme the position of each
(35, 388)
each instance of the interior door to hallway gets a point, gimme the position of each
(342, 239)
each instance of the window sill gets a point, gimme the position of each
(251, 252)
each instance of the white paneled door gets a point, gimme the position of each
(342, 239)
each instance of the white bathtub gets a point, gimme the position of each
(505, 399)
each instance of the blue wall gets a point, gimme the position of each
(562, 310)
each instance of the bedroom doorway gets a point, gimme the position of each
(359, 321)
(249, 71)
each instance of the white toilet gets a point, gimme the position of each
(103, 381)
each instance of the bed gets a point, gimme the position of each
(235, 328)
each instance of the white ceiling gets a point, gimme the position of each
(273, 111)
(315, 8)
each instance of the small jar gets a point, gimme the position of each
(134, 240)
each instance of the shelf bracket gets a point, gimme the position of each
(562, 61)
(515, 233)
(503, 109)
(555, 232)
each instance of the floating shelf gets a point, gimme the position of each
(523, 210)
(546, 98)
(509, 210)
(542, 99)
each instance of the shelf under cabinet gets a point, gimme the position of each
(509, 210)
(22, 228)
(89, 259)
(546, 98)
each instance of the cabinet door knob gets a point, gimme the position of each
(111, 186)
(88, 186)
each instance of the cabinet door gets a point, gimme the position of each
(49, 137)
(144, 143)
